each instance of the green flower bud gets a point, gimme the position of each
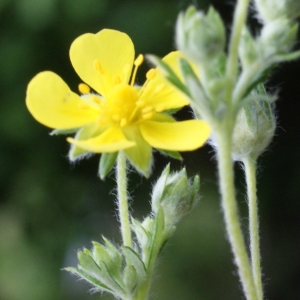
(278, 37)
(175, 194)
(200, 37)
(271, 10)
(247, 49)
(254, 129)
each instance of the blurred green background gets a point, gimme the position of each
(50, 208)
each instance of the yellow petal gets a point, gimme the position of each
(158, 91)
(111, 140)
(140, 155)
(52, 103)
(112, 51)
(84, 133)
(176, 136)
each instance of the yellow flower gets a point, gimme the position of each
(118, 115)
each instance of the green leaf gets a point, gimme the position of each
(89, 278)
(98, 271)
(143, 237)
(106, 164)
(158, 238)
(130, 278)
(132, 258)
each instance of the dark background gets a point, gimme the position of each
(50, 208)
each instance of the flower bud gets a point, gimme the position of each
(175, 194)
(200, 37)
(247, 49)
(278, 36)
(271, 10)
(254, 130)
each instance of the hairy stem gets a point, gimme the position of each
(240, 15)
(233, 227)
(250, 173)
(123, 200)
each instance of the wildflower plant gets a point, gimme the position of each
(123, 122)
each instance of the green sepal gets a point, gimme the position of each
(64, 131)
(170, 74)
(172, 154)
(140, 156)
(107, 162)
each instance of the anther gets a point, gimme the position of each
(139, 60)
(83, 88)
(98, 67)
(151, 74)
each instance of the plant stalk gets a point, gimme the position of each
(123, 199)
(250, 174)
(229, 205)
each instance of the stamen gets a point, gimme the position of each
(84, 88)
(139, 60)
(123, 122)
(98, 67)
(148, 116)
(147, 109)
(159, 108)
(151, 74)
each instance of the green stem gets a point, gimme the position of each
(250, 173)
(123, 200)
(233, 227)
(240, 15)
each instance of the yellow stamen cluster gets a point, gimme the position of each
(123, 105)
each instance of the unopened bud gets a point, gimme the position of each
(278, 36)
(254, 130)
(271, 10)
(200, 37)
(175, 194)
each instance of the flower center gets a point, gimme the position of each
(123, 106)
